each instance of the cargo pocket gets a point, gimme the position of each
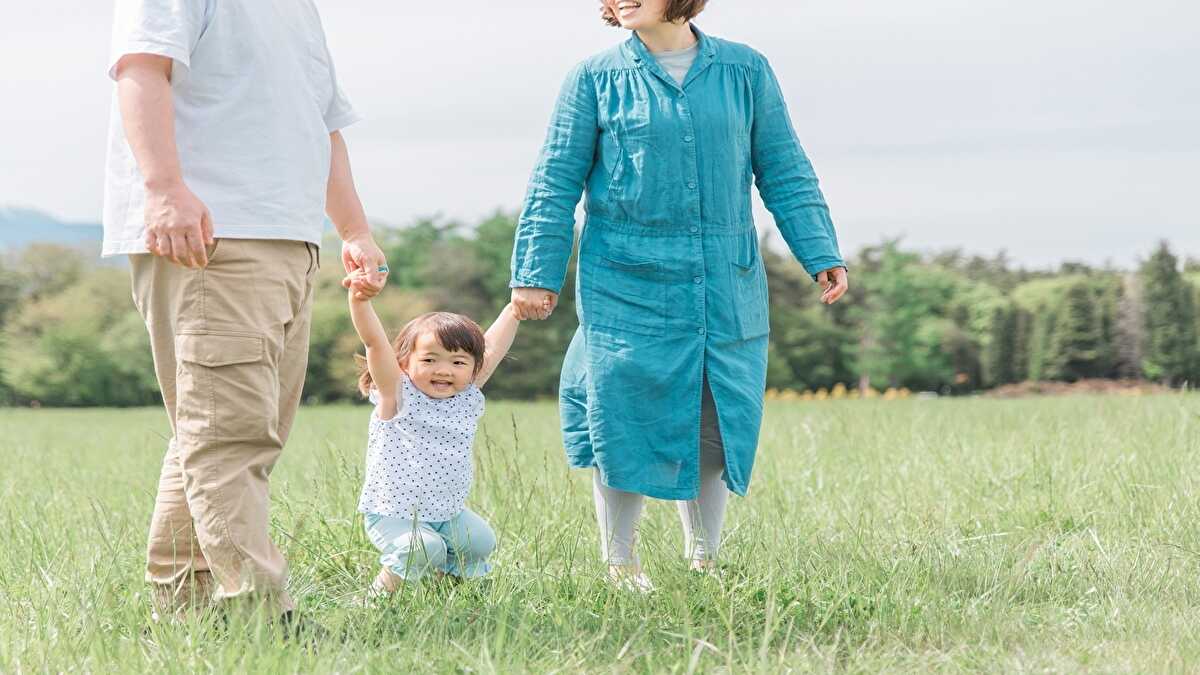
(749, 285)
(623, 295)
(224, 387)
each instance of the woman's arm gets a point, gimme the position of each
(381, 359)
(546, 228)
(786, 179)
(497, 340)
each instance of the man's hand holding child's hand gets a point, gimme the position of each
(358, 284)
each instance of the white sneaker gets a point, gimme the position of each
(631, 581)
(708, 568)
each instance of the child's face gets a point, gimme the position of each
(437, 371)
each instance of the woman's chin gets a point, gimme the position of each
(633, 23)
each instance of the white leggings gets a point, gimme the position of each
(618, 512)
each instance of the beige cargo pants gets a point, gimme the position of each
(230, 347)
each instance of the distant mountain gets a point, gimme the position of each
(20, 227)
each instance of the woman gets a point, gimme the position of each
(662, 386)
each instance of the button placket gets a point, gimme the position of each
(693, 169)
(691, 179)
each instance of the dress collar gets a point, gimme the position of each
(642, 58)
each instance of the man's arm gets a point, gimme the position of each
(359, 250)
(178, 224)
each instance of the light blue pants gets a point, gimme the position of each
(412, 548)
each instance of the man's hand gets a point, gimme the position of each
(356, 280)
(178, 225)
(533, 303)
(834, 282)
(362, 254)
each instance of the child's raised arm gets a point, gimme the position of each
(497, 341)
(381, 358)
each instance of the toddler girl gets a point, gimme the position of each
(425, 387)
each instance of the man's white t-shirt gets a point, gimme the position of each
(256, 98)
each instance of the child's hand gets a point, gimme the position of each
(354, 282)
(547, 307)
(533, 303)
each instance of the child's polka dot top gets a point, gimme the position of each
(419, 462)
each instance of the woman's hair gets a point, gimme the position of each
(676, 10)
(454, 332)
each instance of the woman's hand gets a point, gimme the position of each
(834, 282)
(533, 303)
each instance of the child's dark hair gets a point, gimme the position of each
(455, 332)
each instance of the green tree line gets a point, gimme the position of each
(946, 322)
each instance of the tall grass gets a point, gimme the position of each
(953, 535)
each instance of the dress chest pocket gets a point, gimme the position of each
(631, 121)
(634, 176)
(636, 131)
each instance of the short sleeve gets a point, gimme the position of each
(401, 401)
(340, 114)
(169, 28)
(479, 404)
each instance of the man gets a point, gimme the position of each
(224, 158)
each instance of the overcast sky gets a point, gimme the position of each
(1054, 129)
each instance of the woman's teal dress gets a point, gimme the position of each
(670, 283)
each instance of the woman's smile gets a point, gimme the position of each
(628, 8)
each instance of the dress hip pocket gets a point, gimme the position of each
(623, 295)
(749, 283)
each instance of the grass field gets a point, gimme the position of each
(1041, 535)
